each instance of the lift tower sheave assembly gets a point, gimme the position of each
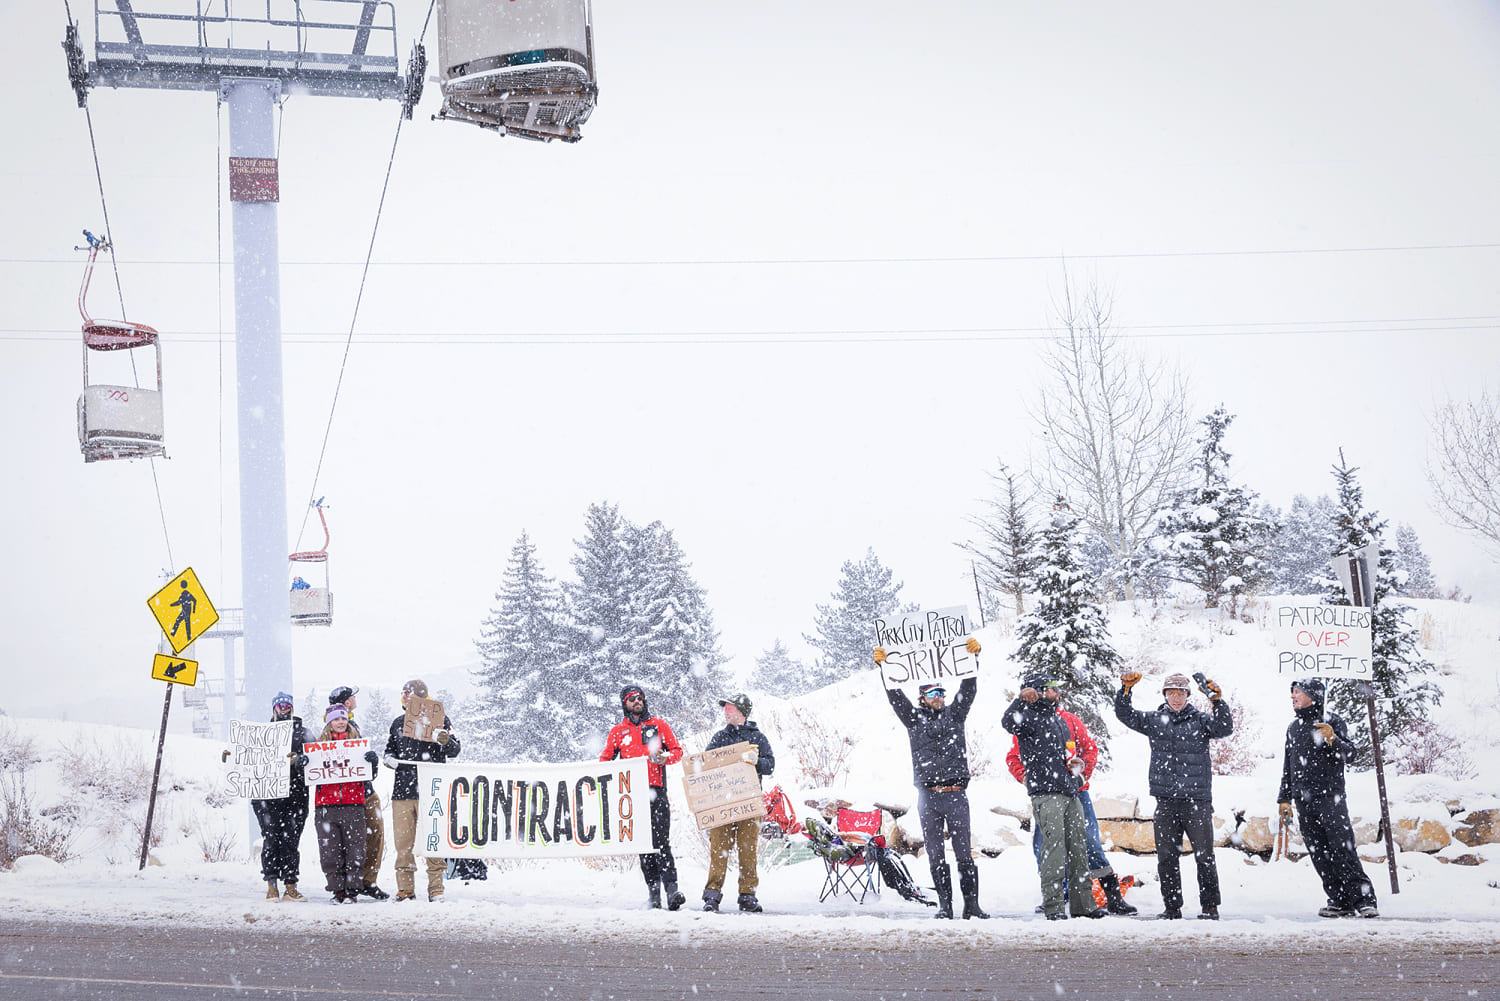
(333, 48)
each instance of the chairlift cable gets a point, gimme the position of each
(358, 298)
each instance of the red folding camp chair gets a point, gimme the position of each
(855, 873)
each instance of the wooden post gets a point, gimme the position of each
(155, 777)
(1385, 807)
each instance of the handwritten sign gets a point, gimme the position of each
(925, 646)
(1325, 641)
(337, 761)
(258, 764)
(722, 787)
(570, 810)
(424, 717)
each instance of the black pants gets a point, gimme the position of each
(1330, 840)
(341, 846)
(281, 823)
(934, 809)
(1173, 819)
(659, 867)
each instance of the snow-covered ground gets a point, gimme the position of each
(91, 780)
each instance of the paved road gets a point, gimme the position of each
(47, 960)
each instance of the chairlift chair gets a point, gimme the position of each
(116, 422)
(519, 69)
(311, 604)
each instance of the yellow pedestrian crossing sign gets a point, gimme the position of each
(175, 670)
(183, 610)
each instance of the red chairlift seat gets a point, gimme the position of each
(312, 605)
(117, 422)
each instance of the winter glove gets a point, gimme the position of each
(880, 655)
(1212, 690)
(972, 646)
(390, 761)
(302, 760)
(372, 757)
(225, 756)
(751, 756)
(442, 736)
(1325, 731)
(1129, 679)
(1285, 810)
(1028, 695)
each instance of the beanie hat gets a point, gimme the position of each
(1181, 681)
(740, 702)
(335, 711)
(1311, 687)
(282, 699)
(415, 686)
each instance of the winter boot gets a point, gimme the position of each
(1210, 913)
(711, 900)
(291, 895)
(942, 879)
(271, 892)
(675, 897)
(968, 884)
(374, 892)
(653, 896)
(749, 903)
(1117, 904)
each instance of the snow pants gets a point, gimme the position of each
(341, 846)
(1099, 866)
(281, 823)
(1064, 865)
(742, 835)
(374, 835)
(404, 820)
(1330, 840)
(936, 809)
(659, 867)
(1194, 818)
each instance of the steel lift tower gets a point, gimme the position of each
(334, 48)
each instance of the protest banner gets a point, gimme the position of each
(569, 810)
(722, 787)
(423, 718)
(258, 764)
(337, 761)
(925, 646)
(1324, 641)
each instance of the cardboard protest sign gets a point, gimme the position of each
(424, 717)
(337, 761)
(570, 810)
(1325, 641)
(925, 646)
(258, 764)
(722, 787)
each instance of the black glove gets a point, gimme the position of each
(301, 761)
(374, 760)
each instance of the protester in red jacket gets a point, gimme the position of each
(340, 819)
(641, 735)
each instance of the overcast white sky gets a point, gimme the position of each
(786, 296)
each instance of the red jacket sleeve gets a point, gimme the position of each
(611, 746)
(669, 743)
(1013, 760)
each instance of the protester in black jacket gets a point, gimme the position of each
(1054, 774)
(282, 820)
(940, 768)
(742, 835)
(402, 753)
(1312, 776)
(1181, 779)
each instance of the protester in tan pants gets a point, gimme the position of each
(740, 835)
(402, 753)
(374, 823)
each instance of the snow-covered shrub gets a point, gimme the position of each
(119, 773)
(1422, 748)
(17, 750)
(1241, 752)
(820, 745)
(23, 830)
(216, 838)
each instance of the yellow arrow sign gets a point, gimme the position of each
(183, 610)
(175, 670)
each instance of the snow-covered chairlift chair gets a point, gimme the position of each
(312, 604)
(525, 69)
(116, 422)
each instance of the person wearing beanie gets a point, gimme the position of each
(402, 753)
(642, 735)
(1054, 774)
(742, 835)
(940, 770)
(344, 695)
(1181, 779)
(282, 820)
(1312, 776)
(340, 817)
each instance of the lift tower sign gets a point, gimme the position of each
(183, 610)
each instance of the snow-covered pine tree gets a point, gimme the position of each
(1413, 565)
(1213, 538)
(1006, 541)
(1403, 693)
(778, 673)
(1299, 556)
(524, 699)
(311, 711)
(845, 627)
(375, 713)
(599, 603)
(1066, 634)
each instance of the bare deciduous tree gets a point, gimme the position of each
(1463, 467)
(1118, 438)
